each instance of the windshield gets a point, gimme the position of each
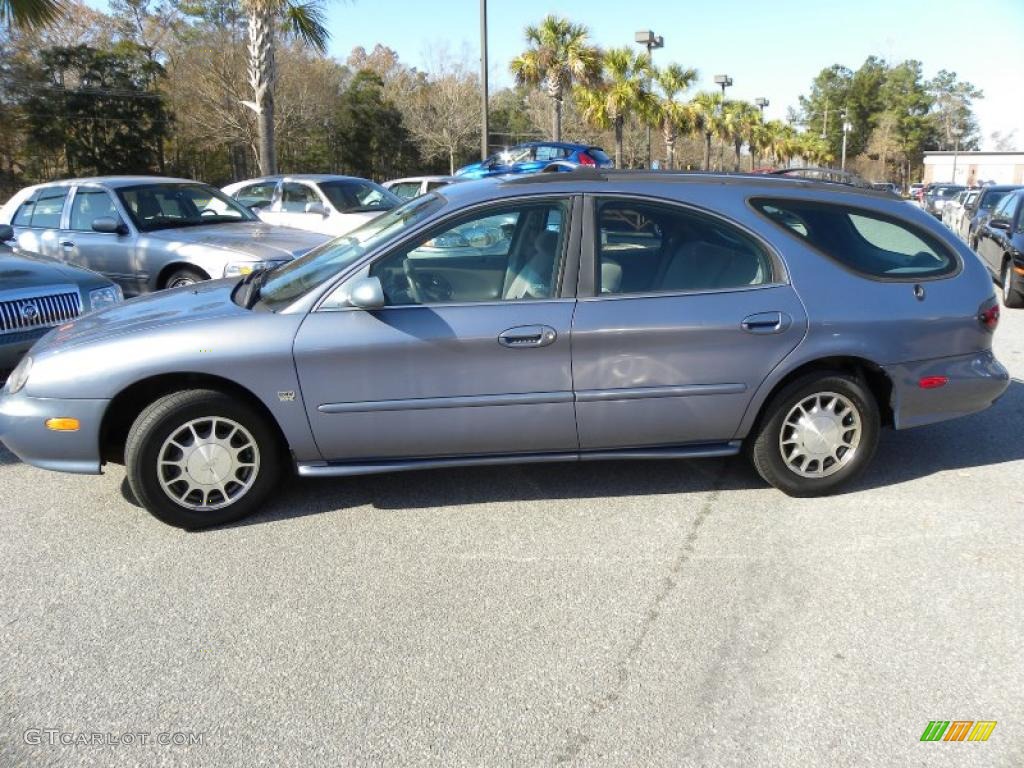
(947, 192)
(991, 199)
(353, 196)
(165, 206)
(293, 280)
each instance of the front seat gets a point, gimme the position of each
(533, 280)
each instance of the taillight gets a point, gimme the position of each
(586, 159)
(990, 317)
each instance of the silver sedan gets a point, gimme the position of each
(147, 233)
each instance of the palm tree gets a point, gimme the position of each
(625, 89)
(674, 116)
(781, 141)
(706, 107)
(740, 120)
(31, 14)
(305, 20)
(559, 55)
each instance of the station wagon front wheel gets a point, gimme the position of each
(818, 433)
(200, 458)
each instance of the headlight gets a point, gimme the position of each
(240, 268)
(105, 297)
(19, 376)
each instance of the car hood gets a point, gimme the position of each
(202, 302)
(20, 271)
(255, 239)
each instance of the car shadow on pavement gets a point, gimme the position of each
(989, 438)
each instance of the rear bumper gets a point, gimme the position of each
(23, 430)
(974, 382)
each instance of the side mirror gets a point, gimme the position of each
(6, 233)
(1002, 224)
(365, 293)
(316, 208)
(109, 226)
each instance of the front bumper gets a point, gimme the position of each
(23, 430)
(974, 382)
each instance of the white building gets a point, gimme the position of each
(972, 168)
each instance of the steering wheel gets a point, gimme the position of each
(426, 286)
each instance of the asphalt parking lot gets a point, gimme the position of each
(618, 614)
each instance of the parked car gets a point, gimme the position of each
(148, 232)
(1001, 246)
(627, 315)
(886, 186)
(535, 156)
(414, 186)
(990, 197)
(960, 220)
(954, 208)
(332, 205)
(936, 197)
(37, 293)
(914, 190)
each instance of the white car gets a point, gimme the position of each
(332, 205)
(414, 186)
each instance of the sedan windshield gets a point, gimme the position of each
(293, 280)
(356, 196)
(167, 206)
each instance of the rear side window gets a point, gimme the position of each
(44, 210)
(867, 242)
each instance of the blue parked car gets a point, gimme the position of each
(535, 156)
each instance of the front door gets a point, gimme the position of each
(108, 253)
(688, 315)
(470, 355)
(295, 196)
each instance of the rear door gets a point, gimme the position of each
(681, 316)
(37, 222)
(470, 355)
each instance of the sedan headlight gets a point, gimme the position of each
(19, 376)
(241, 268)
(105, 297)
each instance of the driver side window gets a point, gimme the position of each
(512, 253)
(294, 197)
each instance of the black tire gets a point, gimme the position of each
(1013, 291)
(170, 414)
(765, 449)
(184, 276)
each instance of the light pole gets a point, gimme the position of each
(760, 102)
(956, 150)
(725, 81)
(650, 41)
(847, 127)
(485, 128)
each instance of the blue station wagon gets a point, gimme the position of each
(577, 316)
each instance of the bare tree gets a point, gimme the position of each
(440, 109)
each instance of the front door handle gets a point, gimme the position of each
(527, 336)
(67, 244)
(766, 322)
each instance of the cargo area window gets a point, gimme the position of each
(867, 242)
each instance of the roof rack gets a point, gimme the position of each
(581, 173)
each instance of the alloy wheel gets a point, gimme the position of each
(820, 434)
(208, 463)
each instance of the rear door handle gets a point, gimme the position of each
(766, 322)
(527, 336)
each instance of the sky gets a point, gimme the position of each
(770, 48)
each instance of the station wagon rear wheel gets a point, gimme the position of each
(200, 458)
(818, 433)
(1013, 291)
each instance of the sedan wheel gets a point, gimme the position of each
(816, 434)
(200, 458)
(1013, 292)
(183, 277)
